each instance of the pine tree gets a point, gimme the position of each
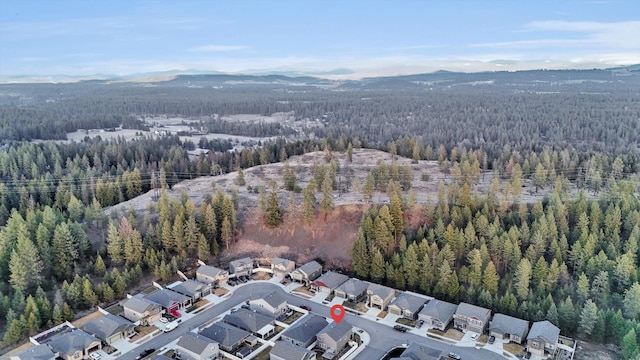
(368, 187)
(25, 265)
(114, 244)
(552, 314)
(88, 294)
(226, 233)
(377, 266)
(309, 200)
(273, 215)
(360, 259)
(349, 152)
(99, 267)
(522, 278)
(62, 259)
(204, 251)
(629, 344)
(410, 266)
(588, 317)
(326, 204)
(631, 302)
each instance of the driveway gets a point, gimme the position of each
(382, 336)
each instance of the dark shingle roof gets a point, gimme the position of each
(336, 330)
(274, 299)
(310, 267)
(248, 320)
(438, 309)
(289, 351)
(472, 311)
(306, 329)
(331, 280)
(107, 325)
(70, 342)
(137, 304)
(211, 271)
(38, 352)
(381, 290)
(189, 287)
(286, 263)
(545, 330)
(354, 286)
(417, 351)
(195, 343)
(166, 298)
(409, 302)
(505, 324)
(224, 334)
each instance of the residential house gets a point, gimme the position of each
(407, 305)
(192, 346)
(471, 318)
(380, 296)
(211, 275)
(193, 289)
(303, 333)
(307, 272)
(437, 314)
(334, 337)
(328, 282)
(109, 328)
(273, 304)
(241, 267)
(543, 338)
(37, 352)
(140, 310)
(283, 350)
(509, 328)
(417, 351)
(352, 290)
(170, 301)
(229, 337)
(281, 267)
(75, 344)
(252, 321)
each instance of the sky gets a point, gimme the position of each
(330, 38)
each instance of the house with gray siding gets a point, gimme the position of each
(334, 337)
(192, 346)
(303, 332)
(211, 275)
(307, 272)
(328, 282)
(509, 328)
(352, 290)
(241, 267)
(543, 338)
(406, 305)
(437, 314)
(471, 318)
(110, 328)
(283, 350)
(281, 267)
(229, 337)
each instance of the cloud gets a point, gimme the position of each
(580, 34)
(218, 48)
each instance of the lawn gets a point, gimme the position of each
(513, 348)
(290, 319)
(451, 333)
(264, 354)
(407, 322)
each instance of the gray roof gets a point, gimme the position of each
(438, 309)
(310, 267)
(38, 352)
(240, 262)
(406, 301)
(189, 287)
(381, 290)
(336, 330)
(306, 329)
(285, 262)
(70, 342)
(472, 311)
(417, 351)
(289, 351)
(505, 324)
(107, 325)
(248, 320)
(211, 271)
(331, 280)
(161, 357)
(224, 334)
(166, 298)
(354, 286)
(274, 299)
(545, 330)
(138, 304)
(195, 343)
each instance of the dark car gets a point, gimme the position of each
(306, 307)
(492, 339)
(145, 353)
(527, 355)
(454, 356)
(231, 282)
(400, 328)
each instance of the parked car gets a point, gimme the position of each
(400, 328)
(454, 356)
(527, 355)
(95, 355)
(231, 282)
(145, 353)
(164, 320)
(492, 339)
(306, 307)
(419, 324)
(474, 336)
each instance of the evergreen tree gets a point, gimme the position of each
(326, 204)
(273, 215)
(522, 278)
(631, 302)
(226, 233)
(99, 267)
(114, 244)
(360, 259)
(629, 344)
(588, 317)
(25, 265)
(377, 266)
(490, 278)
(309, 200)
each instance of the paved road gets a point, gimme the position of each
(382, 336)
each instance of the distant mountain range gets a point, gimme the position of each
(526, 80)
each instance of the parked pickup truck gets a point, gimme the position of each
(170, 326)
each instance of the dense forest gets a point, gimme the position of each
(573, 261)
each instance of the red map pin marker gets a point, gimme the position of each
(337, 313)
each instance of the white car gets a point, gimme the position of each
(164, 320)
(94, 355)
(474, 336)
